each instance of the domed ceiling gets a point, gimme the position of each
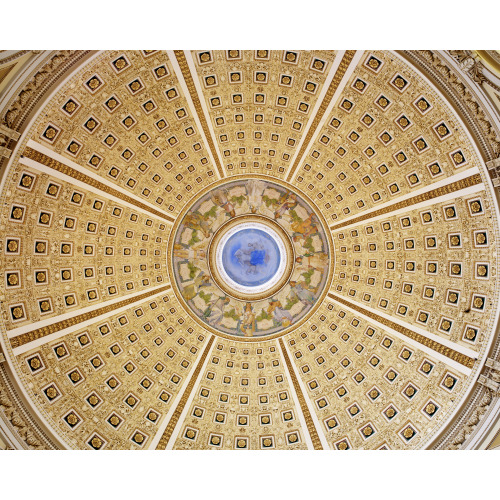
(248, 250)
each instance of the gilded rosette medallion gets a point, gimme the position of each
(251, 258)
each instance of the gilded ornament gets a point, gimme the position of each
(410, 391)
(120, 63)
(93, 83)
(72, 419)
(51, 392)
(482, 270)
(449, 382)
(12, 246)
(442, 130)
(114, 420)
(93, 400)
(13, 279)
(408, 433)
(35, 363)
(367, 431)
(430, 408)
(96, 442)
(17, 213)
(478, 302)
(50, 133)
(161, 71)
(422, 104)
(26, 181)
(319, 65)
(70, 106)
(332, 423)
(470, 334)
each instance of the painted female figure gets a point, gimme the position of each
(248, 323)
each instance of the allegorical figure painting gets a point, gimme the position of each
(250, 258)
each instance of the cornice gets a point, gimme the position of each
(456, 87)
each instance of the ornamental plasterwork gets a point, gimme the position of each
(102, 325)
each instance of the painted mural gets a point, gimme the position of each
(251, 258)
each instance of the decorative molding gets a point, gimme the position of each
(38, 333)
(16, 55)
(162, 444)
(473, 66)
(456, 356)
(71, 172)
(460, 92)
(303, 404)
(341, 70)
(7, 135)
(20, 422)
(34, 89)
(408, 202)
(459, 95)
(188, 79)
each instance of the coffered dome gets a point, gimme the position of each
(249, 249)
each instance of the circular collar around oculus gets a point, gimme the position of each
(251, 257)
